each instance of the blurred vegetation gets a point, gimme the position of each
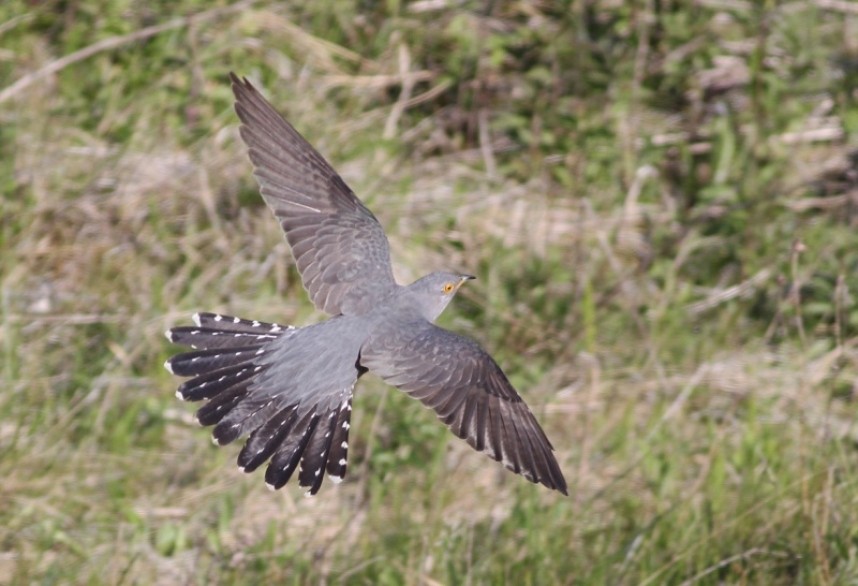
(659, 199)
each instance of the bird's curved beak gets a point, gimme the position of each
(467, 278)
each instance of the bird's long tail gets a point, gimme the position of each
(223, 366)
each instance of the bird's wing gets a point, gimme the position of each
(469, 392)
(339, 246)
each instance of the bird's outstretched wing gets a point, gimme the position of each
(339, 246)
(469, 392)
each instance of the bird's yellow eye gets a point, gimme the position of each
(448, 287)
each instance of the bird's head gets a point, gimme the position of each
(434, 291)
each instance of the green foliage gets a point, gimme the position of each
(657, 199)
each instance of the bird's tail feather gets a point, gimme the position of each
(213, 330)
(224, 351)
(223, 367)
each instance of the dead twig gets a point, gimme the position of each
(824, 203)
(404, 95)
(113, 43)
(741, 290)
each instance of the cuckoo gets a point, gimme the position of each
(289, 389)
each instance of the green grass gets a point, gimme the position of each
(658, 199)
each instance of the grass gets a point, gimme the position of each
(658, 200)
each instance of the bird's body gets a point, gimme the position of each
(290, 389)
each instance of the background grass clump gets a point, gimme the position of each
(658, 199)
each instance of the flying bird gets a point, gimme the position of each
(289, 389)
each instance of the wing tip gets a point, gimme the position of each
(560, 486)
(238, 82)
(553, 478)
(241, 87)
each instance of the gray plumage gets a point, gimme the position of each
(289, 390)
